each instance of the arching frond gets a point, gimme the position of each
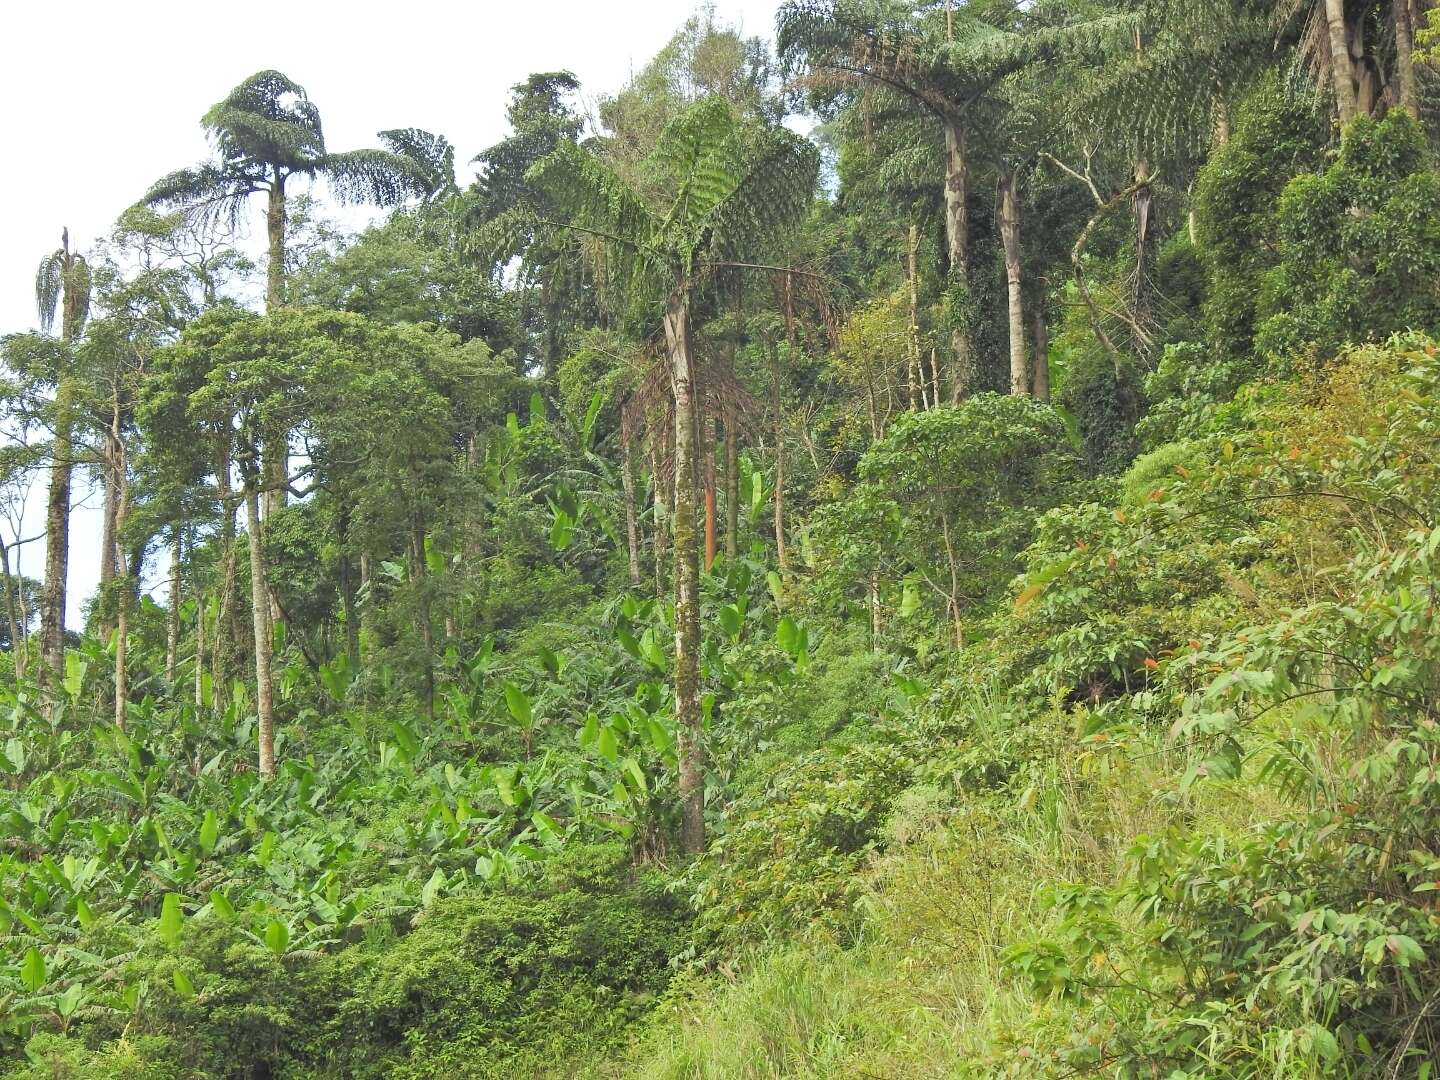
(207, 193)
(771, 197)
(374, 176)
(432, 155)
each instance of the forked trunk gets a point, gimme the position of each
(687, 579)
(1010, 237)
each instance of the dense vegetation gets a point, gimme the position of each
(950, 596)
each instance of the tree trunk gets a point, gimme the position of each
(123, 589)
(957, 238)
(260, 608)
(105, 624)
(876, 615)
(199, 653)
(917, 366)
(1342, 74)
(1405, 58)
(687, 580)
(57, 537)
(420, 580)
(1010, 237)
(172, 617)
(346, 574)
(227, 629)
(632, 523)
(732, 486)
(1042, 354)
(12, 585)
(660, 512)
(707, 442)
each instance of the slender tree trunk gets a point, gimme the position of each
(876, 615)
(1042, 353)
(732, 486)
(707, 442)
(660, 513)
(632, 523)
(172, 617)
(1010, 237)
(687, 580)
(199, 652)
(227, 629)
(1341, 70)
(12, 585)
(957, 237)
(260, 608)
(123, 586)
(420, 579)
(1405, 57)
(57, 537)
(346, 574)
(917, 366)
(105, 624)
(276, 469)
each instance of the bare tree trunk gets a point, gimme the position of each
(1405, 57)
(124, 588)
(1042, 354)
(1010, 237)
(632, 524)
(957, 237)
(1341, 71)
(260, 608)
(732, 487)
(346, 573)
(57, 537)
(687, 580)
(172, 617)
(917, 366)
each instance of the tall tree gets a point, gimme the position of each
(267, 134)
(717, 195)
(63, 282)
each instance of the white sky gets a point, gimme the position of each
(102, 97)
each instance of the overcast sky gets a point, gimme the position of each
(101, 97)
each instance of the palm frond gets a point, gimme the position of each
(432, 155)
(373, 176)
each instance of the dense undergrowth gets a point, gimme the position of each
(1027, 737)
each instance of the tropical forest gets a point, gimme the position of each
(899, 543)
